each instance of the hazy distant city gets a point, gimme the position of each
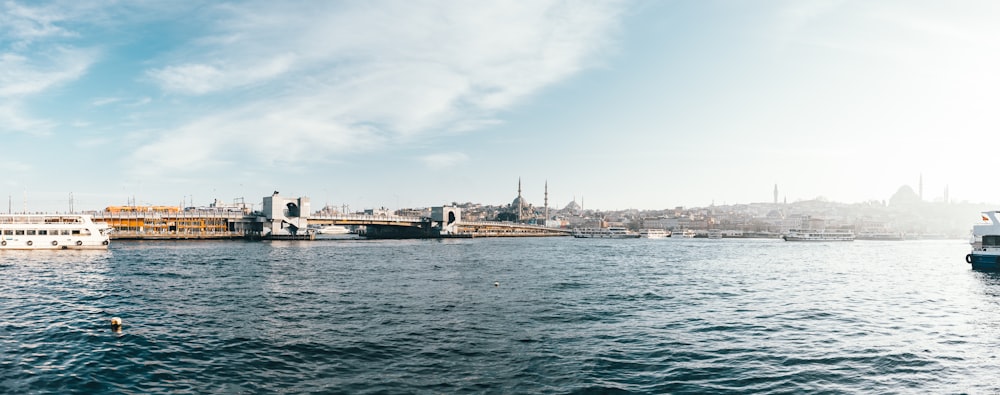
(907, 213)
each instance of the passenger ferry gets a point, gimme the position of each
(604, 233)
(985, 243)
(52, 232)
(653, 233)
(818, 235)
(685, 233)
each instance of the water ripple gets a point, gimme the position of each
(568, 316)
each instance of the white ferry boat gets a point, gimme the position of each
(985, 243)
(685, 234)
(52, 232)
(818, 235)
(653, 233)
(604, 233)
(333, 230)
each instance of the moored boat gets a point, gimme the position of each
(682, 233)
(653, 233)
(818, 235)
(985, 241)
(52, 232)
(883, 236)
(604, 233)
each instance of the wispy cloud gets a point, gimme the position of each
(27, 70)
(444, 160)
(321, 79)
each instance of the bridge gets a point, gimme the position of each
(391, 226)
(284, 218)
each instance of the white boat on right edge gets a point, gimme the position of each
(818, 235)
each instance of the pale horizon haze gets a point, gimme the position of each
(620, 104)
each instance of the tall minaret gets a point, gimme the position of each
(520, 201)
(546, 202)
(775, 193)
(921, 193)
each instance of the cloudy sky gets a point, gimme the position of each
(634, 104)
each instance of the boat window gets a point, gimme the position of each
(8, 232)
(19, 232)
(991, 241)
(76, 231)
(43, 232)
(31, 232)
(64, 232)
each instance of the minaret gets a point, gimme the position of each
(775, 193)
(546, 202)
(520, 201)
(921, 192)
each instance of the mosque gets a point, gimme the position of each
(519, 210)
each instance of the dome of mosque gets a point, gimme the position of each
(519, 201)
(572, 206)
(905, 195)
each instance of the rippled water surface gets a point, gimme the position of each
(569, 316)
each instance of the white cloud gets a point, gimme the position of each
(28, 23)
(316, 79)
(444, 160)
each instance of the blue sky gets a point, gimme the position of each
(635, 104)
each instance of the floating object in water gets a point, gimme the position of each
(116, 324)
(496, 283)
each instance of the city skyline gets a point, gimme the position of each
(644, 105)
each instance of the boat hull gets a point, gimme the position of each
(50, 243)
(986, 262)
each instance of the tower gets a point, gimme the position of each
(920, 193)
(520, 201)
(546, 202)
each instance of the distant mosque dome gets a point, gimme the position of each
(519, 202)
(905, 195)
(573, 206)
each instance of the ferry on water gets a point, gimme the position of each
(604, 233)
(684, 234)
(52, 232)
(818, 235)
(653, 233)
(985, 243)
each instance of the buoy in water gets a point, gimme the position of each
(496, 283)
(116, 324)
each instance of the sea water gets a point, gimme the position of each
(504, 315)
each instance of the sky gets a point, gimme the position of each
(615, 104)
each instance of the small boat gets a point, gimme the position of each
(52, 232)
(818, 235)
(685, 234)
(653, 233)
(333, 230)
(880, 235)
(985, 243)
(604, 233)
